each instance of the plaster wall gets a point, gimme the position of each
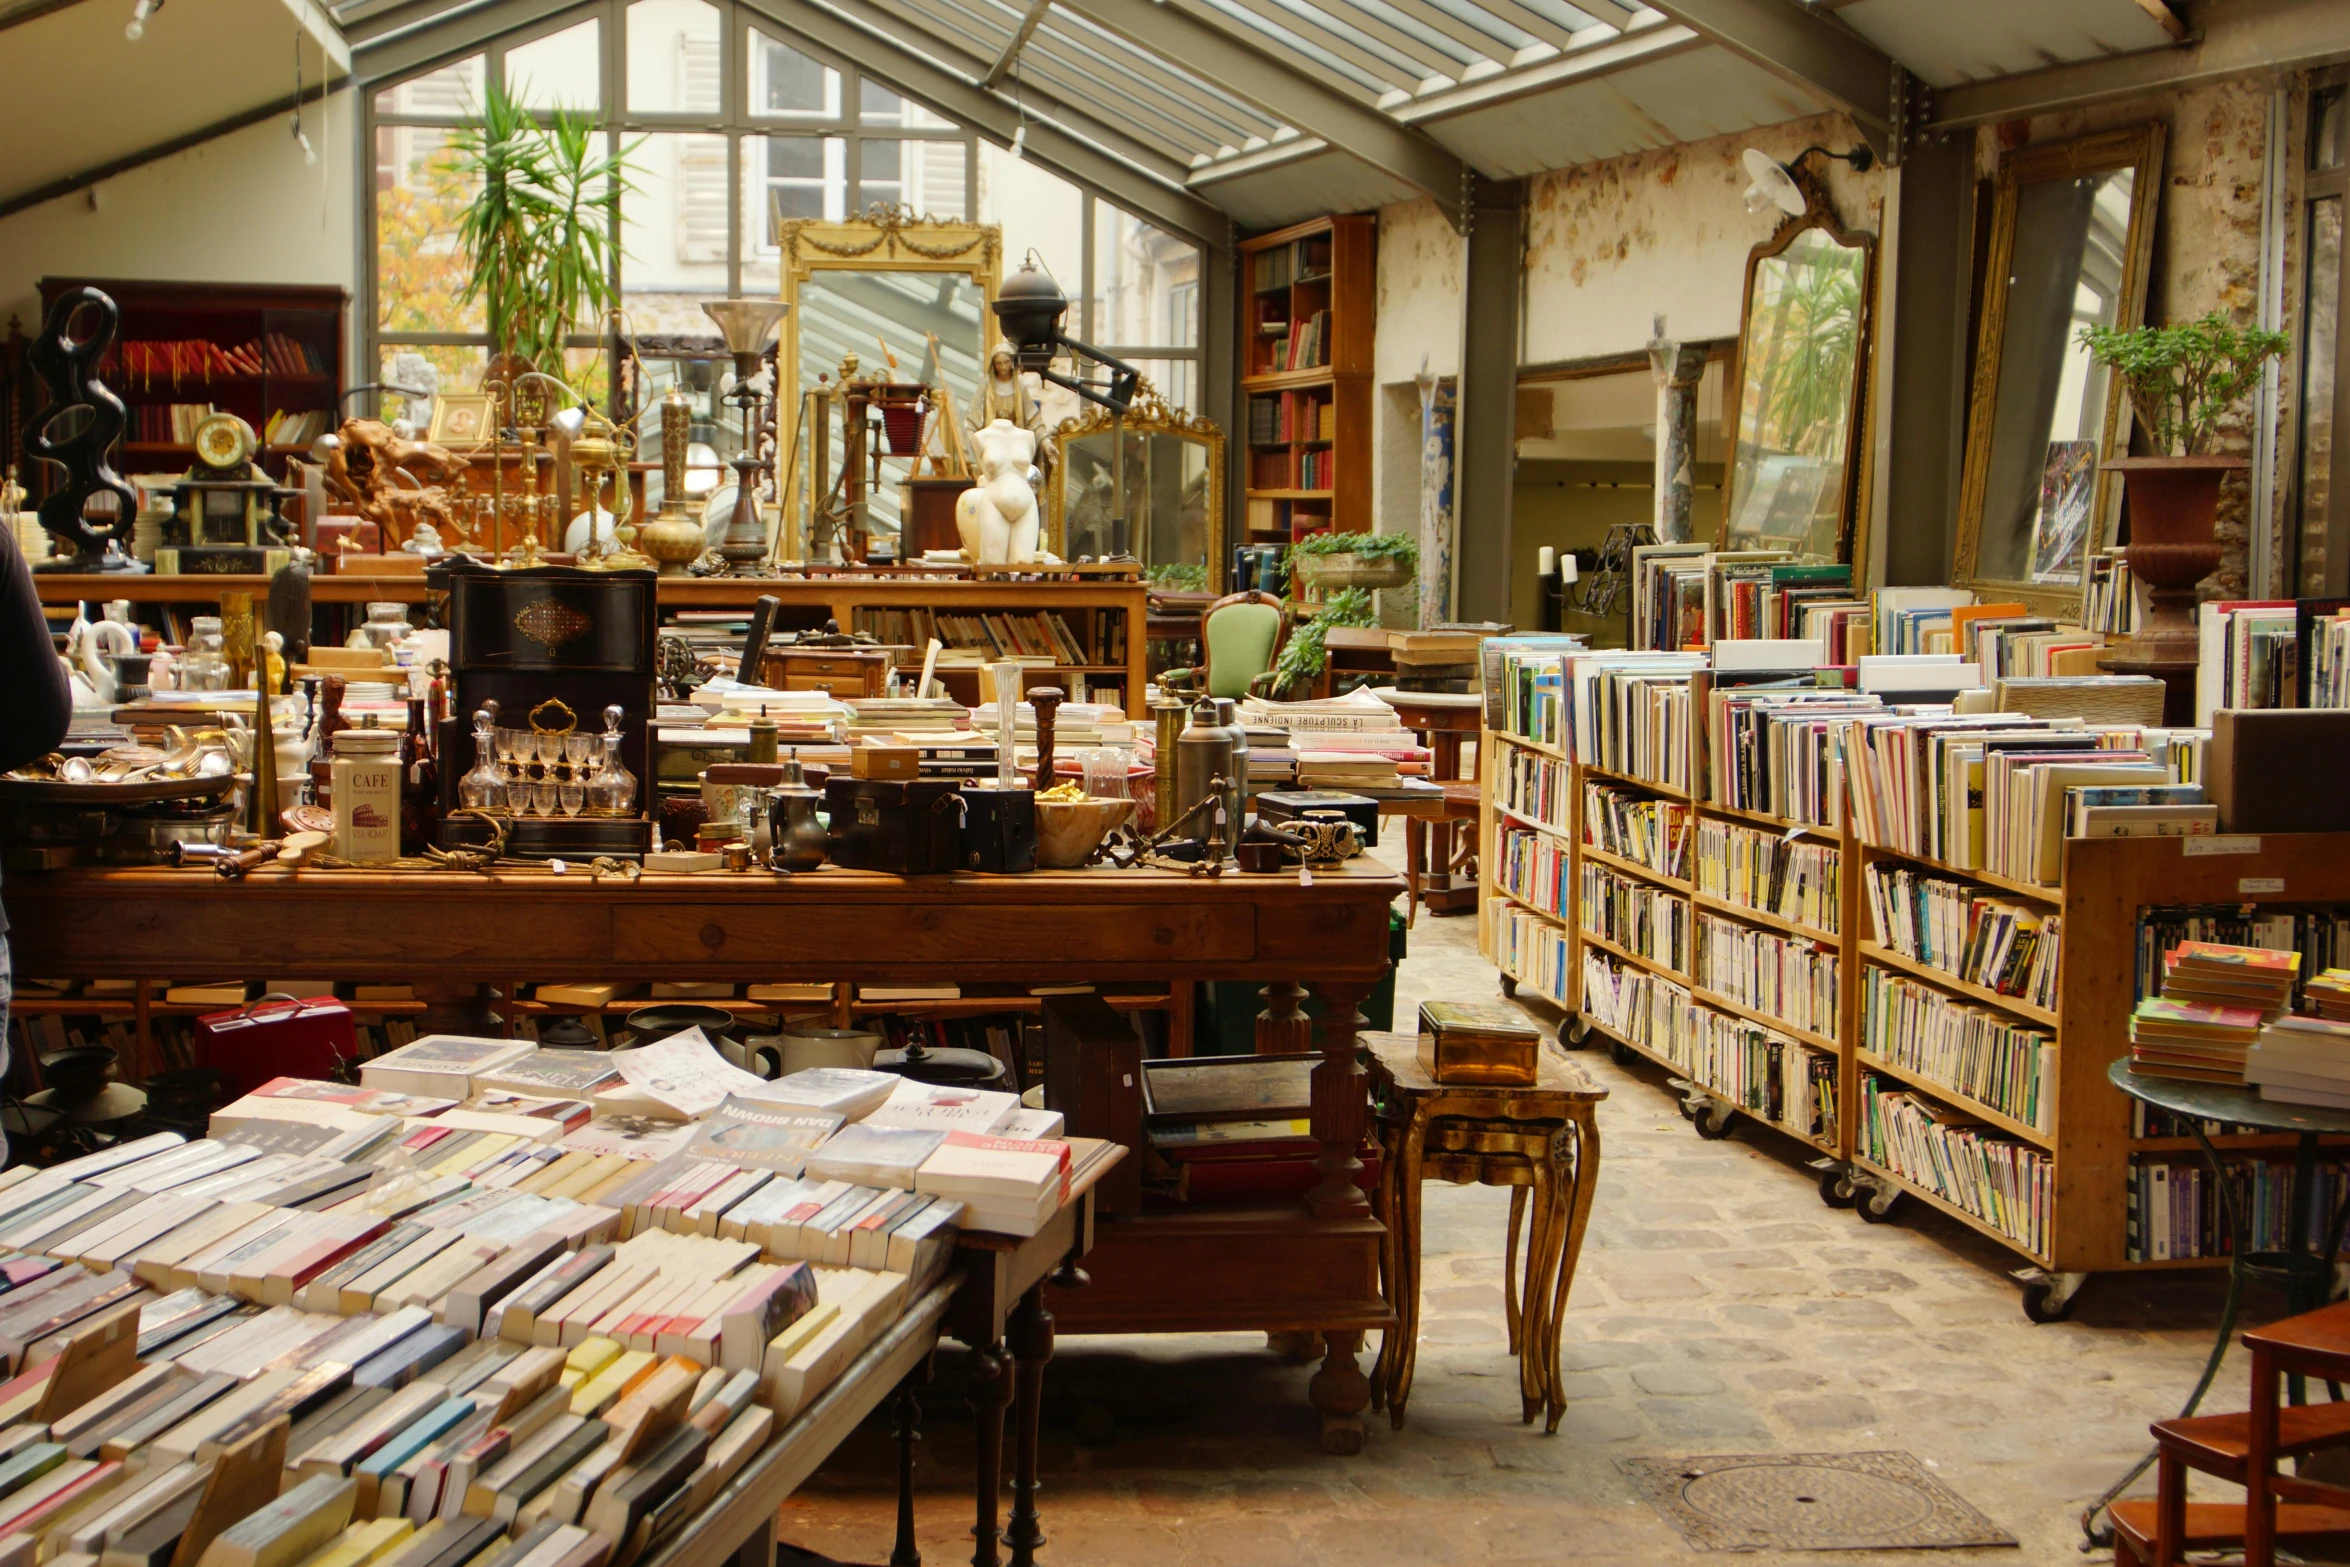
(1418, 328)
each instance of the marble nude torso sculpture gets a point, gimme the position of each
(998, 518)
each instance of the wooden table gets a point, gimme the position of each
(1442, 856)
(1303, 1266)
(1541, 1142)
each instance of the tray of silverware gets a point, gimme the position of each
(125, 775)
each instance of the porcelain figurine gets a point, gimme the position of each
(998, 518)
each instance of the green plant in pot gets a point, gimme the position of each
(538, 231)
(2182, 381)
(1306, 653)
(1354, 560)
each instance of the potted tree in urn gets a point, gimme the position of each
(1330, 561)
(2182, 380)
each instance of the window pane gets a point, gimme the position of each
(449, 93)
(787, 177)
(420, 270)
(2326, 117)
(785, 81)
(927, 176)
(1036, 210)
(431, 368)
(2320, 354)
(877, 105)
(673, 233)
(1145, 284)
(673, 57)
(1177, 379)
(559, 71)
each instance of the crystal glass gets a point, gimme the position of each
(517, 798)
(509, 745)
(542, 798)
(571, 796)
(577, 750)
(1104, 772)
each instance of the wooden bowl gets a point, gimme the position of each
(1068, 831)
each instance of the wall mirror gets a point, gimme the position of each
(2071, 238)
(1803, 348)
(882, 285)
(1172, 482)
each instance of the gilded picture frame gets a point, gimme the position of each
(1150, 416)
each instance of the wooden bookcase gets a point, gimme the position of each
(2107, 885)
(1306, 320)
(304, 323)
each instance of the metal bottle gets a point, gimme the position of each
(797, 833)
(1212, 746)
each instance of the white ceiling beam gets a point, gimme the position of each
(1018, 41)
(1284, 92)
(1800, 46)
(1323, 35)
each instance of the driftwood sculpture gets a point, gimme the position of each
(364, 468)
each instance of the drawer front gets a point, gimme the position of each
(968, 939)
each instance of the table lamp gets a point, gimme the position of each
(747, 326)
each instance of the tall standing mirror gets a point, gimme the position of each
(884, 287)
(2072, 236)
(1151, 483)
(1802, 353)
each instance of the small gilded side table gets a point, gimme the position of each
(1542, 1143)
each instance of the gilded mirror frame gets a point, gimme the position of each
(1819, 214)
(1150, 415)
(885, 238)
(2138, 148)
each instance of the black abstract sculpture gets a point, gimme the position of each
(68, 367)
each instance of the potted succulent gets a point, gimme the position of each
(2182, 380)
(1354, 560)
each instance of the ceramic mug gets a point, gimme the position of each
(808, 1047)
(1329, 837)
(761, 1055)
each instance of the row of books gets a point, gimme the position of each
(2004, 1183)
(1687, 596)
(1643, 919)
(2177, 1210)
(1282, 417)
(2007, 641)
(2007, 1066)
(1794, 878)
(1529, 949)
(1300, 343)
(996, 633)
(1633, 717)
(1531, 785)
(2320, 936)
(1778, 751)
(296, 429)
(1759, 1071)
(1532, 867)
(2271, 653)
(2110, 603)
(167, 423)
(1299, 261)
(144, 361)
(1638, 827)
(1310, 469)
(1966, 932)
(1789, 978)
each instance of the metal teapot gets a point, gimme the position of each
(796, 831)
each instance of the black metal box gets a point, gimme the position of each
(910, 827)
(999, 829)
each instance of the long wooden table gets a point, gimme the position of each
(1306, 1267)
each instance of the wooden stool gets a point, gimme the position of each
(1457, 851)
(1542, 1143)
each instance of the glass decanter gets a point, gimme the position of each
(484, 788)
(204, 665)
(612, 792)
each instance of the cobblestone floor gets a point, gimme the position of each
(1720, 1307)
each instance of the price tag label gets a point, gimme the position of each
(2221, 843)
(2259, 886)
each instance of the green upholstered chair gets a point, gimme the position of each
(1240, 636)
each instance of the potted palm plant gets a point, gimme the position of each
(538, 231)
(1328, 561)
(2182, 381)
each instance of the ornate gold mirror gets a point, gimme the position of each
(879, 286)
(2072, 236)
(1803, 352)
(1172, 482)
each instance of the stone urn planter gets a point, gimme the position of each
(2173, 501)
(1329, 573)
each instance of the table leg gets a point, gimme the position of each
(907, 1413)
(1283, 1029)
(1509, 1265)
(1390, 1268)
(1544, 1236)
(1415, 855)
(1340, 1390)
(1584, 1132)
(1030, 1333)
(1338, 1104)
(990, 1393)
(1411, 1157)
(759, 1549)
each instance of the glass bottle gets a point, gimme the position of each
(483, 789)
(420, 787)
(613, 790)
(204, 666)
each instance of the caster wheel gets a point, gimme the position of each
(1836, 1189)
(1714, 1127)
(2037, 1307)
(1688, 1110)
(1877, 1207)
(1574, 1033)
(1619, 1052)
(1509, 986)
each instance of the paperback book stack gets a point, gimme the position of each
(2214, 1001)
(2329, 993)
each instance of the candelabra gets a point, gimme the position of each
(747, 325)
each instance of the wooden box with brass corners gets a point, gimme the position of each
(552, 647)
(1478, 1045)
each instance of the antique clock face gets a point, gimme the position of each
(223, 441)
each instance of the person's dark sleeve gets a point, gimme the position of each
(36, 703)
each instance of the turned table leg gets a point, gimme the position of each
(990, 1393)
(1339, 1104)
(1283, 1029)
(1030, 1334)
(907, 1412)
(1340, 1391)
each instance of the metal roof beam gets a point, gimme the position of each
(1018, 41)
(962, 100)
(1284, 93)
(2226, 40)
(1800, 46)
(410, 38)
(1329, 37)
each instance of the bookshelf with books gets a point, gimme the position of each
(1305, 357)
(271, 354)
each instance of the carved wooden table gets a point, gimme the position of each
(1542, 1143)
(1305, 1266)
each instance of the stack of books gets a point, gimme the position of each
(2329, 993)
(2302, 1061)
(2260, 977)
(2196, 1040)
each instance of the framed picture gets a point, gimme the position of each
(460, 420)
(1228, 1088)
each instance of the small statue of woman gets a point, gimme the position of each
(1011, 394)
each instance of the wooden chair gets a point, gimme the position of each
(1240, 637)
(2245, 1448)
